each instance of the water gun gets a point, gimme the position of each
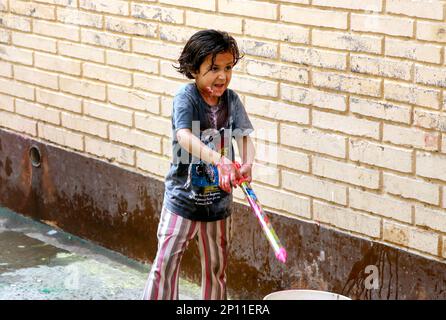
(267, 228)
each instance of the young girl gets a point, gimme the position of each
(198, 187)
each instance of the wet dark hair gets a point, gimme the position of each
(200, 45)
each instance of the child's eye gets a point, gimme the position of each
(228, 68)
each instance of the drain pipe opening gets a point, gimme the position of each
(34, 155)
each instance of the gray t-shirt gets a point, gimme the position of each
(191, 185)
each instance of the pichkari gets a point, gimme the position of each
(193, 310)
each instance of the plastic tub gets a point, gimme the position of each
(304, 295)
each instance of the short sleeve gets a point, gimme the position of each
(242, 126)
(182, 111)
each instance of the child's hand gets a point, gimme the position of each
(246, 172)
(228, 174)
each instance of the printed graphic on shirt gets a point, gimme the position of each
(203, 177)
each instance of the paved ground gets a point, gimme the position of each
(38, 262)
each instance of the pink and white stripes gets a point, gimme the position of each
(174, 234)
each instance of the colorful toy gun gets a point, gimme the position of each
(267, 228)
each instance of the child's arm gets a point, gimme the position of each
(228, 174)
(247, 154)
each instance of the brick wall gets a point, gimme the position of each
(348, 98)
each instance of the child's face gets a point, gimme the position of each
(213, 80)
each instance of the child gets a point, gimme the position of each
(197, 200)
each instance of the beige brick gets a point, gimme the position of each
(444, 247)
(110, 151)
(290, 159)
(347, 41)
(37, 112)
(56, 30)
(18, 123)
(381, 155)
(266, 174)
(4, 5)
(345, 172)
(381, 110)
(347, 219)
(277, 31)
(64, 3)
(80, 51)
(314, 187)
(431, 165)
(85, 124)
(427, 52)
(132, 61)
(32, 9)
(276, 71)
(411, 137)
(152, 163)
(213, 21)
(313, 140)
(258, 48)
(416, 8)
(389, 25)
(347, 83)
(410, 237)
(166, 106)
(255, 86)
(80, 18)
(370, 5)
(108, 113)
(34, 76)
(381, 205)
(153, 124)
(59, 100)
(34, 42)
(429, 120)
(6, 103)
(431, 31)
(346, 124)
(208, 5)
(5, 69)
(413, 94)
(313, 97)
(5, 36)
(167, 148)
(82, 88)
(277, 110)
(105, 39)
(13, 54)
(133, 99)
(175, 33)
(256, 9)
(313, 57)
(15, 22)
(61, 136)
(391, 68)
(314, 17)
(430, 75)
(57, 63)
(167, 70)
(135, 138)
(157, 49)
(156, 84)
(16, 89)
(106, 6)
(282, 200)
(131, 27)
(265, 130)
(433, 219)
(107, 74)
(154, 13)
(411, 188)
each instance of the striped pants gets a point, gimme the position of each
(174, 234)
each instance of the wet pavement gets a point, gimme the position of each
(39, 262)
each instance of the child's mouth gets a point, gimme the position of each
(219, 86)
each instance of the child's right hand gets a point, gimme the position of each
(228, 174)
